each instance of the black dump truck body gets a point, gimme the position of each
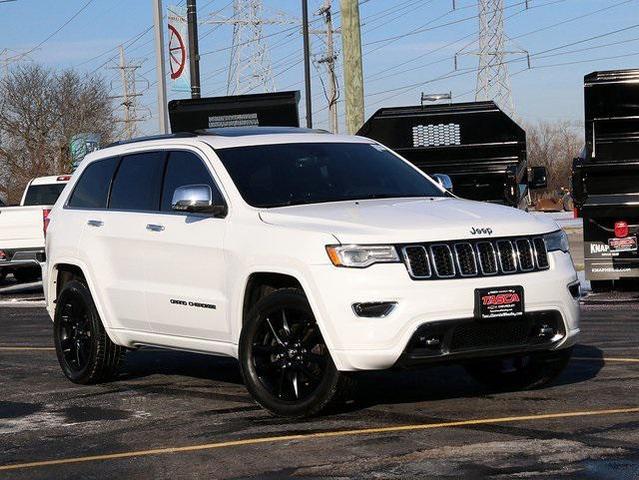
(606, 175)
(260, 110)
(481, 148)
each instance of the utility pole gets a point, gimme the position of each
(353, 72)
(194, 51)
(329, 61)
(160, 69)
(307, 65)
(129, 95)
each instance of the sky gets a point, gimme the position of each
(409, 47)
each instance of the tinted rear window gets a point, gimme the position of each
(138, 182)
(182, 169)
(92, 190)
(43, 194)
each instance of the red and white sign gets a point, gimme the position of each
(178, 49)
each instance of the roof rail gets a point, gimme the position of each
(153, 137)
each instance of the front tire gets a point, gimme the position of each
(85, 352)
(284, 361)
(521, 372)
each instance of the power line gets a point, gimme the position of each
(67, 22)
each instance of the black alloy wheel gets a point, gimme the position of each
(284, 359)
(85, 351)
(75, 335)
(289, 354)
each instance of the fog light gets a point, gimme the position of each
(546, 331)
(430, 341)
(374, 309)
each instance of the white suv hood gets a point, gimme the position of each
(408, 220)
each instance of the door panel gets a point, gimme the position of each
(186, 292)
(186, 265)
(114, 243)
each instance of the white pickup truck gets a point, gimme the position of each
(22, 228)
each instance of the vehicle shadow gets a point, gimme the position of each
(369, 388)
(448, 382)
(154, 361)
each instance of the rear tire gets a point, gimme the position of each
(284, 361)
(522, 372)
(27, 274)
(85, 352)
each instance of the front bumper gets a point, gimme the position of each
(378, 343)
(465, 339)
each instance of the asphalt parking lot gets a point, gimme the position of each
(181, 415)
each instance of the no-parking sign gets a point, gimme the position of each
(178, 49)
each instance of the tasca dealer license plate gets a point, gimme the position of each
(626, 244)
(499, 302)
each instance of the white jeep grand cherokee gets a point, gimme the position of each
(306, 256)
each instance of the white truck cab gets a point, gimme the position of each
(22, 228)
(306, 256)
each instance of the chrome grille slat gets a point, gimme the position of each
(465, 256)
(475, 258)
(417, 262)
(443, 263)
(541, 254)
(507, 256)
(525, 254)
(487, 258)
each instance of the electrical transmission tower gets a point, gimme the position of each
(131, 112)
(493, 79)
(329, 60)
(250, 61)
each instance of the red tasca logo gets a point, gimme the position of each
(500, 299)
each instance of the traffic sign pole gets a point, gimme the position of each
(159, 60)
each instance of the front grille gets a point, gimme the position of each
(476, 335)
(475, 258)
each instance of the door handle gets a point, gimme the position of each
(155, 228)
(95, 223)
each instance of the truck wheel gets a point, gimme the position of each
(284, 360)
(522, 372)
(84, 350)
(28, 274)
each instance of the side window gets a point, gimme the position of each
(92, 190)
(138, 182)
(186, 168)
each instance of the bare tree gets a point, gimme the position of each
(554, 145)
(40, 110)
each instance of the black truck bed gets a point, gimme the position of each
(475, 143)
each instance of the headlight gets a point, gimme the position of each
(360, 256)
(557, 241)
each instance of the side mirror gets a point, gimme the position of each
(444, 181)
(196, 199)
(538, 178)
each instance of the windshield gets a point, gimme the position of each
(43, 194)
(301, 173)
